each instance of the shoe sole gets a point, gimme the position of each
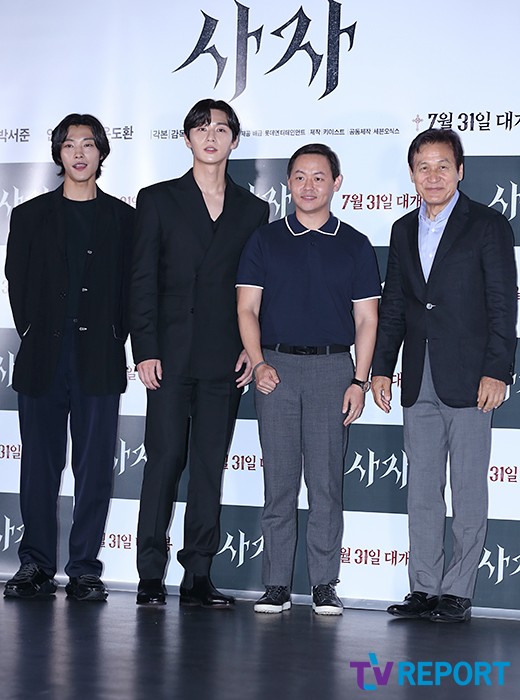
(326, 610)
(411, 616)
(46, 590)
(271, 609)
(191, 603)
(150, 602)
(93, 596)
(465, 618)
(36, 596)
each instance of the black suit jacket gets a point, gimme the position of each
(183, 299)
(466, 310)
(36, 268)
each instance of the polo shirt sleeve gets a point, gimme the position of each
(367, 283)
(251, 268)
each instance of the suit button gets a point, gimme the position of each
(192, 310)
(63, 295)
(56, 334)
(89, 252)
(82, 328)
(430, 306)
(84, 289)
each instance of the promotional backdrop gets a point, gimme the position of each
(364, 78)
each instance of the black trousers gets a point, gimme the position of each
(43, 428)
(198, 415)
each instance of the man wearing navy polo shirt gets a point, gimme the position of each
(308, 289)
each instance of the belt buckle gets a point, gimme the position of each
(305, 350)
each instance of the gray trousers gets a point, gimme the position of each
(432, 431)
(301, 426)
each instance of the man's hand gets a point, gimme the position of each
(353, 403)
(266, 379)
(382, 392)
(247, 374)
(491, 394)
(150, 373)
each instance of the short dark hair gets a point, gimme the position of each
(200, 115)
(447, 136)
(319, 149)
(59, 134)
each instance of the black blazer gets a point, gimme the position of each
(183, 299)
(466, 311)
(36, 268)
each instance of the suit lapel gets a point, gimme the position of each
(56, 222)
(413, 247)
(227, 220)
(456, 224)
(103, 221)
(200, 220)
(194, 211)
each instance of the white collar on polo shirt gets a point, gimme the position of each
(328, 224)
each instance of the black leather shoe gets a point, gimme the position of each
(151, 591)
(202, 593)
(451, 608)
(276, 599)
(415, 605)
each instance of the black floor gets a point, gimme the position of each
(65, 650)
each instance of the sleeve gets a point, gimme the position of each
(251, 268)
(144, 280)
(392, 324)
(16, 268)
(367, 283)
(265, 214)
(498, 262)
(128, 227)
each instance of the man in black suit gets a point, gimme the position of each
(451, 298)
(68, 267)
(190, 233)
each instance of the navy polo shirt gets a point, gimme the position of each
(310, 280)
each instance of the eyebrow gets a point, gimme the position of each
(314, 172)
(210, 123)
(84, 138)
(440, 160)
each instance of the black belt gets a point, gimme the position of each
(308, 349)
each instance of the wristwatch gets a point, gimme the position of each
(364, 386)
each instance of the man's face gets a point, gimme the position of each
(435, 176)
(311, 185)
(80, 155)
(211, 143)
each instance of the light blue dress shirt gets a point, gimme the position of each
(430, 233)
